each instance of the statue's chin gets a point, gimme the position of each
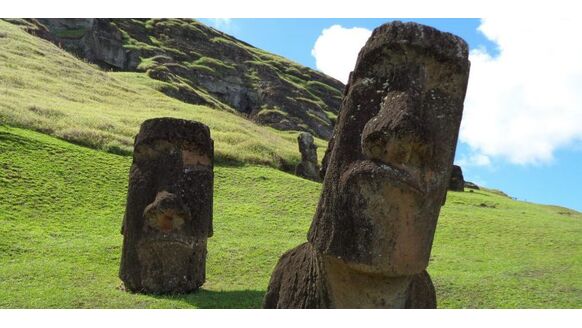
(171, 265)
(394, 228)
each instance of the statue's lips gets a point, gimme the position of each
(398, 176)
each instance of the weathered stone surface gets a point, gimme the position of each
(386, 171)
(94, 39)
(168, 216)
(304, 279)
(298, 281)
(457, 182)
(308, 167)
(396, 136)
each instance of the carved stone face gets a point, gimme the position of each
(177, 177)
(388, 191)
(169, 207)
(392, 151)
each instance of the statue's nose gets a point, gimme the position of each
(166, 213)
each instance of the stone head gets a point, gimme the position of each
(169, 204)
(389, 161)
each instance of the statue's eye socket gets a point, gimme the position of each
(193, 158)
(145, 153)
(154, 150)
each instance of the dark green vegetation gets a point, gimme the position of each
(60, 244)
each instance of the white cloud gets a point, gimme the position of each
(336, 50)
(475, 159)
(222, 24)
(521, 105)
(526, 102)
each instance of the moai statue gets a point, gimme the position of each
(457, 182)
(168, 217)
(386, 176)
(308, 168)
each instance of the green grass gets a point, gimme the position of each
(322, 87)
(331, 116)
(151, 62)
(203, 68)
(211, 66)
(319, 103)
(46, 89)
(131, 43)
(491, 251)
(208, 61)
(271, 110)
(60, 245)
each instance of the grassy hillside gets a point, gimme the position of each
(204, 66)
(60, 244)
(46, 89)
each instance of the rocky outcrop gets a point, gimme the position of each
(168, 216)
(386, 175)
(457, 182)
(93, 39)
(204, 66)
(308, 167)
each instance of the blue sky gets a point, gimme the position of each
(516, 135)
(294, 38)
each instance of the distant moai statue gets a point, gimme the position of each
(386, 173)
(308, 167)
(168, 217)
(457, 182)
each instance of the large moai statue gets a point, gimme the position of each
(386, 175)
(308, 167)
(168, 217)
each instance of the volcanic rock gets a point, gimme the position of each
(457, 183)
(308, 167)
(168, 216)
(387, 169)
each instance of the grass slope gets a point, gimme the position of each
(44, 88)
(61, 208)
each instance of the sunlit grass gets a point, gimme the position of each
(60, 241)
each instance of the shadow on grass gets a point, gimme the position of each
(207, 299)
(279, 163)
(225, 160)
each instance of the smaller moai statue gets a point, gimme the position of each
(457, 182)
(308, 168)
(168, 217)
